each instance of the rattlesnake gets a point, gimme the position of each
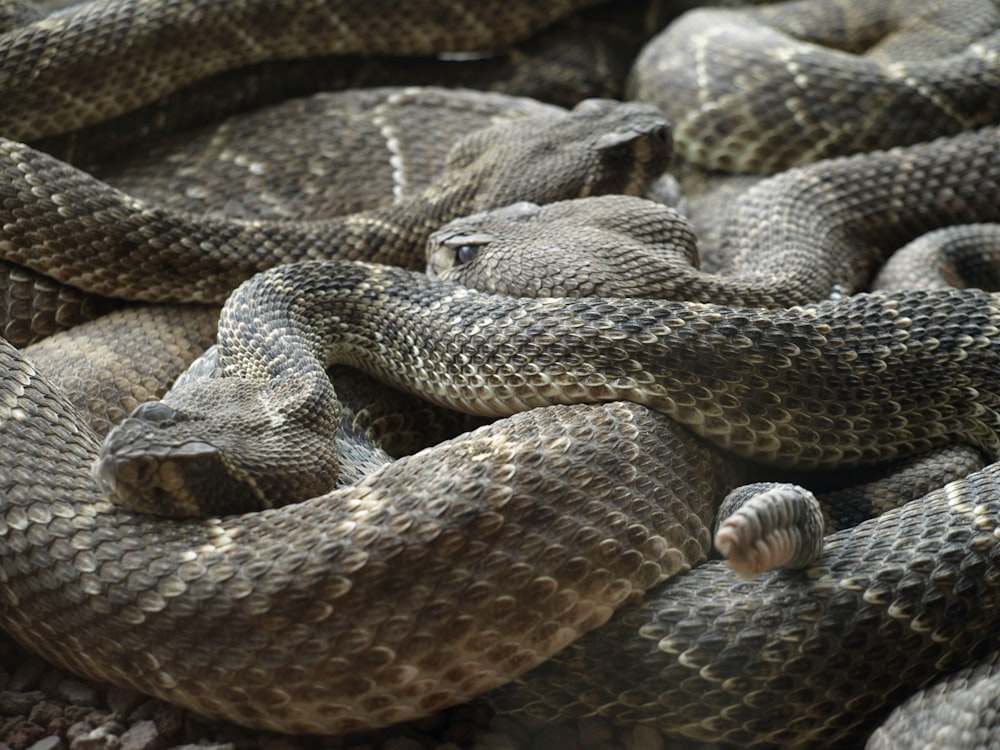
(797, 237)
(325, 651)
(935, 339)
(23, 398)
(752, 90)
(84, 235)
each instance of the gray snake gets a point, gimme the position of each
(269, 640)
(77, 536)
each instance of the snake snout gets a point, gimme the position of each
(145, 466)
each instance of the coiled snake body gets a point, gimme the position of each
(381, 602)
(256, 618)
(943, 333)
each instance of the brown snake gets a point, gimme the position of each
(273, 640)
(844, 350)
(68, 551)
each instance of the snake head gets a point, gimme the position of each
(143, 467)
(601, 146)
(600, 246)
(459, 242)
(218, 447)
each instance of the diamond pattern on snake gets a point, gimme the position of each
(462, 415)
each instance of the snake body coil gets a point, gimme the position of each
(868, 378)
(322, 616)
(448, 573)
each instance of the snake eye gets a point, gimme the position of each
(466, 253)
(466, 245)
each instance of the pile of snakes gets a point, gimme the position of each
(634, 362)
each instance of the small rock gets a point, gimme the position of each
(142, 735)
(78, 729)
(96, 739)
(222, 733)
(109, 721)
(45, 712)
(78, 693)
(7, 726)
(48, 743)
(169, 719)
(80, 713)
(24, 734)
(14, 702)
